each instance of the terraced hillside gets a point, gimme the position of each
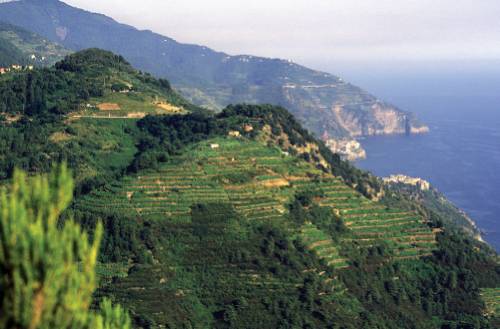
(240, 219)
(323, 245)
(248, 184)
(260, 182)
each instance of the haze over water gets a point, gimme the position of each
(461, 154)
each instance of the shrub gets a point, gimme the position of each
(47, 274)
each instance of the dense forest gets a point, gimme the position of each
(240, 219)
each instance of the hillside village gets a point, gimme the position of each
(422, 184)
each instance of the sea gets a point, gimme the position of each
(461, 155)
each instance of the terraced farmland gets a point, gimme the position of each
(322, 245)
(370, 222)
(202, 175)
(260, 182)
(403, 231)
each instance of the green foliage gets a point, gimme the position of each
(277, 117)
(213, 218)
(120, 242)
(167, 135)
(96, 150)
(444, 286)
(325, 218)
(361, 180)
(491, 297)
(238, 177)
(38, 102)
(118, 86)
(304, 209)
(27, 146)
(91, 61)
(238, 261)
(47, 274)
(306, 198)
(110, 317)
(41, 90)
(280, 120)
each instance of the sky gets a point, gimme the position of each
(320, 32)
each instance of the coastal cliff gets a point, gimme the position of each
(379, 119)
(344, 111)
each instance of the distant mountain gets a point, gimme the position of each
(21, 47)
(325, 104)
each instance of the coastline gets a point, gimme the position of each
(459, 156)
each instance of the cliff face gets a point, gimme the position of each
(378, 119)
(342, 110)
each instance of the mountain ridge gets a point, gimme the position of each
(324, 103)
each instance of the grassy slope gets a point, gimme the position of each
(246, 244)
(273, 179)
